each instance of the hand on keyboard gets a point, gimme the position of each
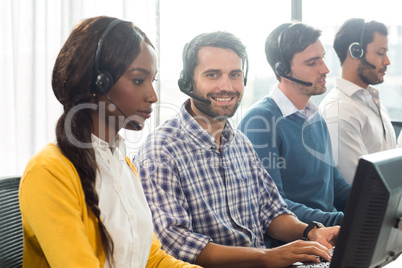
(302, 251)
(322, 264)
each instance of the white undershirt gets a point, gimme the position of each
(124, 209)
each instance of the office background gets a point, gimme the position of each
(33, 31)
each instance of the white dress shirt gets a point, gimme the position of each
(399, 139)
(287, 107)
(355, 125)
(124, 209)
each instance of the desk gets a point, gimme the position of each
(395, 264)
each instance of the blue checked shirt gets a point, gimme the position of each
(199, 194)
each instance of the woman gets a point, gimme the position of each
(81, 201)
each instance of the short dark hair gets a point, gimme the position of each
(295, 38)
(218, 39)
(351, 31)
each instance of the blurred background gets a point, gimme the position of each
(33, 32)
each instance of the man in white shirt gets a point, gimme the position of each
(357, 121)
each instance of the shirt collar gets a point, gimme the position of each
(351, 89)
(288, 108)
(100, 144)
(199, 134)
(347, 87)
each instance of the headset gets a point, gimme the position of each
(104, 79)
(185, 80)
(356, 49)
(282, 67)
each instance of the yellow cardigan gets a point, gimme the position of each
(59, 229)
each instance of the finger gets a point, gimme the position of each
(308, 258)
(324, 253)
(327, 245)
(317, 249)
(326, 242)
(333, 240)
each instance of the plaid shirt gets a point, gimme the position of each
(198, 193)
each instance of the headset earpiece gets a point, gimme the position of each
(184, 83)
(356, 51)
(104, 79)
(282, 67)
(104, 82)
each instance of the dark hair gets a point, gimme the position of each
(213, 39)
(295, 38)
(351, 31)
(73, 80)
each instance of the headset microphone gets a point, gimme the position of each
(282, 67)
(184, 88)
(368, 63)
(104, 79)
(137, 126)
(309, 84)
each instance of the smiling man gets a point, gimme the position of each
(211, 200)
(358, 123)
(287, 132)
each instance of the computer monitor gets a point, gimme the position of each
(371, 231)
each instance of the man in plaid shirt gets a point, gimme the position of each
(211, 199)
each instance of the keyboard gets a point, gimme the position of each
(322, 264)
(311, 265)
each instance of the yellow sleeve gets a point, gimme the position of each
(159, 258)
(58, 230)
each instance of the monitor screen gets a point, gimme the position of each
(371, 234)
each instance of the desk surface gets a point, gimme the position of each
(395, 264)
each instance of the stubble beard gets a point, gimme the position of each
(368, 75)
(218, 113)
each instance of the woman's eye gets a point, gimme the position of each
(138, 81)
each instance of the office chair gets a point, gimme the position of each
(10, 223)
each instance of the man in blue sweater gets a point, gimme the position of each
(289, 135)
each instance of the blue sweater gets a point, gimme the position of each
(297, 154)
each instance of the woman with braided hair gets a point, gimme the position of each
(81, 201)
